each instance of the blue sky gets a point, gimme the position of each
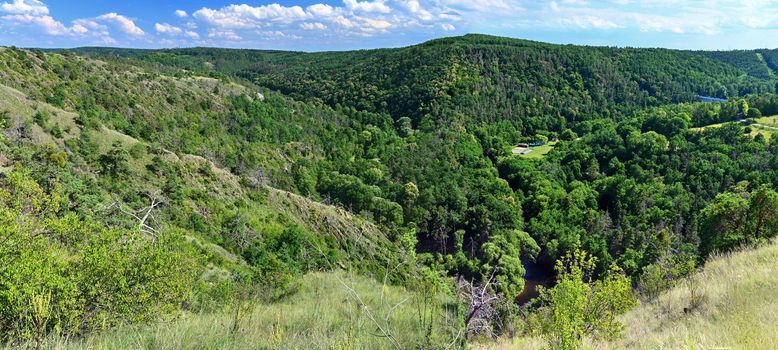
(314, 25)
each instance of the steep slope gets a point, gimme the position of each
(739, 307)
(752, 62)
(360, 160)
(24, 128)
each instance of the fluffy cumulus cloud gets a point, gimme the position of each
(367, 6)
(46, 23)
(171, 30)
(27, 7)
(32, 17)
(346, 18)
(167, 29)
(123, 23)
(35, 14)
(246, 16)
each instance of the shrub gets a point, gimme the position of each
(579, 307)
(65, 273)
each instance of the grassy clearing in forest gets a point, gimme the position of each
(324, 313)
(771, 121)
(535, 152)
(766, 126)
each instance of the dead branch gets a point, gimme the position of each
(144, 216)
(481, 313)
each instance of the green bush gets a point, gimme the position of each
(64, 274)
(579, 306)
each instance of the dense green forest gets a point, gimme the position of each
(154, 182)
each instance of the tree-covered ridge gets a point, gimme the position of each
(535, 86)
(753, 62)
(504, 91)
(467, 80)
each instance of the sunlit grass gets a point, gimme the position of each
(536, 152)
(769, 121)
(323, 314)
(739, 310)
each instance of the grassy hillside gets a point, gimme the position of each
(232, 234)
(738, 309)
(337, 225)
(334, 310)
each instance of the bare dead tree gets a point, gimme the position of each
(481, 312)
(144, 216)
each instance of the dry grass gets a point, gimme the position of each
(739, 310)
(323, 314)
(23, 109)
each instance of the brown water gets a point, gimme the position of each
(529, 292)
(536, 275)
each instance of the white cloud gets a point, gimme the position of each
(125, 24)
(415, 8)
(344, 22)
(313, 26)
(92, 27)
(79, 28)
(181, 13)
(47, 23)
(371, 24)
(28, 7)
(171, 30)
(367, 6)
(245, 16)
(321, 10)
(167, 29)
(223, 34)
(352, 18)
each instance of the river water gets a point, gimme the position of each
(536, 274)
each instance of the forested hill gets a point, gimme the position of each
(534, 86)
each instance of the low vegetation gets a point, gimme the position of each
(328, 310)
